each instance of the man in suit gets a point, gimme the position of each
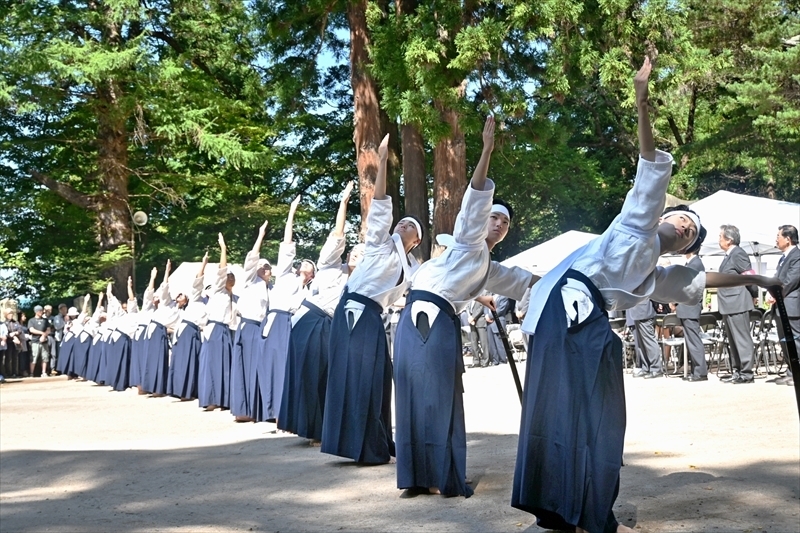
(690, 320)
(735, 304)
(497, 351)
(789, 274)
(477, 332)
(648, 353)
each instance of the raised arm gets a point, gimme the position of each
(86, 301)
(647, 146)
(131, 294)
(223, 252)
(197, 284)
(260, 239)
(166, 271)
(152, 284)
(380, 181)
(341, 214)
(482, 169)
(253, 257)
(203, 264)
(287, 231)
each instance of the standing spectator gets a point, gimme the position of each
(14, 341)
(39, 330)
(789, 274)
(60, 326)
(689, 316)
(648, 354)
(497, 351)
(23, 352)
(735, 304)
(3, 349)
(478, 338)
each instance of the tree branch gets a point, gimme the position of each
(65, 191)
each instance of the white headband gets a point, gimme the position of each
(694, 218)
(499, 208)
(416, 225)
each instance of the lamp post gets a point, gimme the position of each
(139, 218)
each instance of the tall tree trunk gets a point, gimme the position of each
(367, 133)
(449, 177)
(415, 184)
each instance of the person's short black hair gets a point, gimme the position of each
(790, 232)
(701, 231)
(505, 204)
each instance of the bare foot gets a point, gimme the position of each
(624, 529)
(314, 443)
(210, 407)
(244, 419)
(434, 490)
(392, 461)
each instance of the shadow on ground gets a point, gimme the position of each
(282, 484)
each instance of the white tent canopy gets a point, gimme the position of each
(543, 257)
(757, 219)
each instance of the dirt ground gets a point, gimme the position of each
(76, 457)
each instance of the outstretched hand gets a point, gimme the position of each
(488, 133)
(205, 258)
(383, 149)
(153, 273)
(87, 298)
(130, 282)
(263, 229)
(640, 82)
(348, 190)
(169, 267)
(221, 241)
(295, 203)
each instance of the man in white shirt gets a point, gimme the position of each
(357, 421)
(431, 441)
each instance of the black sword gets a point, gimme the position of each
(788, 335)
(509, 353)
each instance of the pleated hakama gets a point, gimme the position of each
(214, 375)
(247, 350)
(118, 361)
(306, 379)
(156, 359)
(430, 435)
(80, 355)
(573, 419)
(271, 366)
(358, 411)
(138, 355)
(183, 368)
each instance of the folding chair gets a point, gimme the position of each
(671, 321)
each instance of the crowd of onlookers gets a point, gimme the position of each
(29, 346)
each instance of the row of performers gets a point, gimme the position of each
(325, 372)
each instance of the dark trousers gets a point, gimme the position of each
(10, 360)
(694, 345)
(647, 350)
(740, 343)
(794, 322)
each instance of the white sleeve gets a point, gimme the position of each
(219, 282)
(379, 226)
(147, 300)
(286, 254)
(644, 203)
(114, 308)
(197, 289)
(679, 284)
(331, 254)
(250, 267)
(163, 294)
(133, 306)
(511, 282)
(472, 222)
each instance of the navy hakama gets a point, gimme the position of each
(306, 378)
(80, 355)
(138, 355)
(247, 350)
(155, 355)
(118, 361)
(573, 419)
(214, 375)
(358, 409)
(430, 434)
(64, 362)
(271, 366)
(182, 379)
(95, 370)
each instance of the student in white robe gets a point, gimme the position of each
(100, 332)
(164, 319)
(184, 364)
(303, 401)
(291, 288)
(358, 412)
(139, 341)
(430, 435)
(118, 351)
(248, 344)
(215, 353)
(573, 414)
(75, 347)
